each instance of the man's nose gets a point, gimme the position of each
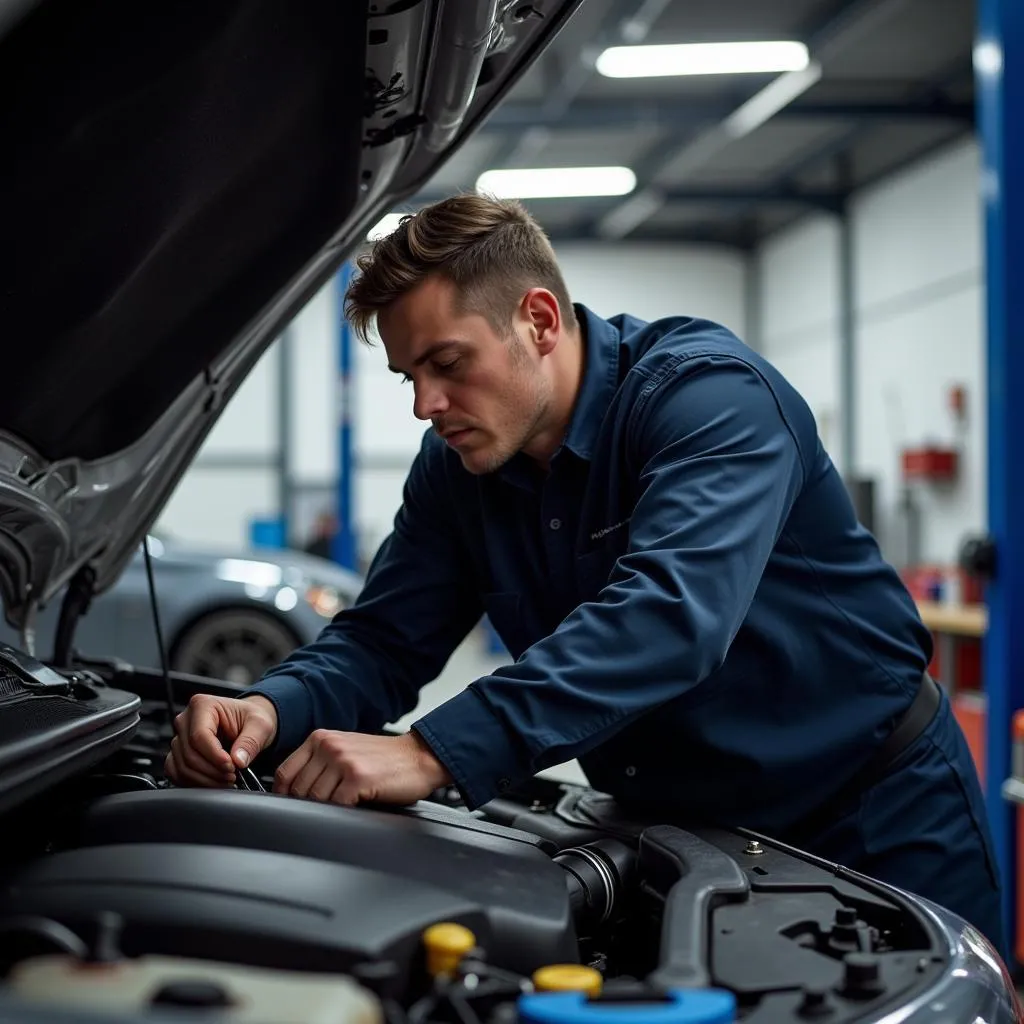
(429, 402)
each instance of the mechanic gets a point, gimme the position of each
(648, 517)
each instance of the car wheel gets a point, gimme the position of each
(235, 645)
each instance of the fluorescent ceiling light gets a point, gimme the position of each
(702, 59)
(557, 182)
(384, 226)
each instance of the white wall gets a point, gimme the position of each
(652, 281)
(919, 329)
(799, 302)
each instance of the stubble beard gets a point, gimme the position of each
(532, 403)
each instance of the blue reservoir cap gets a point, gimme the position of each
(683, 1006)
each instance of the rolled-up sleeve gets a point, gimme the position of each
(718, 471)
(419, 601)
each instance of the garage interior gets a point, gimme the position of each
(848, 207)
(833, 216)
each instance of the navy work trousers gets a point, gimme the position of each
(923, 828)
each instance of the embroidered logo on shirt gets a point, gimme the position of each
(598, 534)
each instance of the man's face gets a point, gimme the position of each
(486, 395)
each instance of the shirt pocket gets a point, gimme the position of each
(505, 612)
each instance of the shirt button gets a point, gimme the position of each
(631, 770)
(555, 524)
(504, 784)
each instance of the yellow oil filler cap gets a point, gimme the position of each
(446, 944)
(568, 978)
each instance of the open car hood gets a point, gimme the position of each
(179, 181)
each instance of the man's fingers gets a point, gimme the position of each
(189, 760)
(187, 769)
(200, 725)
(327, 782)
(194, 762)
(347, 792)
(291, 766)
(255, 734)
(312, 772)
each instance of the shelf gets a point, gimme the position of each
(969, 620)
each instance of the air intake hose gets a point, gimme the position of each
(596, 875)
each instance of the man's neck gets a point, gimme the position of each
(572, 356)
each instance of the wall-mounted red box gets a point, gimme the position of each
(930, 463)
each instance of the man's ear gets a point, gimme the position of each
(540, 310)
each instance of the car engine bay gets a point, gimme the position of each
(124, 894)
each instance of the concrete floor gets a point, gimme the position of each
(469, 662)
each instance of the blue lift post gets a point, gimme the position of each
(343, 546)
(999, 75)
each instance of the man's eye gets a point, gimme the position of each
(447, 367)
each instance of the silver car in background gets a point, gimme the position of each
(228, 615)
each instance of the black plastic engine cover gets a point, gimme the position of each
(290, 883)
(52, 726)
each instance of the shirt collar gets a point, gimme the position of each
(598, 383)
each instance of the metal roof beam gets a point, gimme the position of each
(679, 236)
(773, 194)
(673, 115)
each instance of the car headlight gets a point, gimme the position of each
(325, 601)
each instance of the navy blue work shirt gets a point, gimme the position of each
(691, 605)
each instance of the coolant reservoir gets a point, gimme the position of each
(255, 996)
(690, 1006)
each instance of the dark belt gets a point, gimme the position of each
(909, 727)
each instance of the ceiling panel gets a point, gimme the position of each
(758, 157)
(464, 166)
(532, 87)
(679, 215)
(776, 218)
(559, 214)
(834, 88)
(886, 148)
(919, 40)
(589, 148)
(696, 21)
(820, 175)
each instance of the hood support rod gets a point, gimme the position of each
(75, 604)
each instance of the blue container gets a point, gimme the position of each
(690, 1006)
(267, 533)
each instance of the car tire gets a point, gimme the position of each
(235, 645)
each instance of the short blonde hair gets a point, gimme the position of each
(492, 251)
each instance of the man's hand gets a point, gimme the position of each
(197, 756)
(349, 767)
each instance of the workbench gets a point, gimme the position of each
(951, 624)
(954, 620)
